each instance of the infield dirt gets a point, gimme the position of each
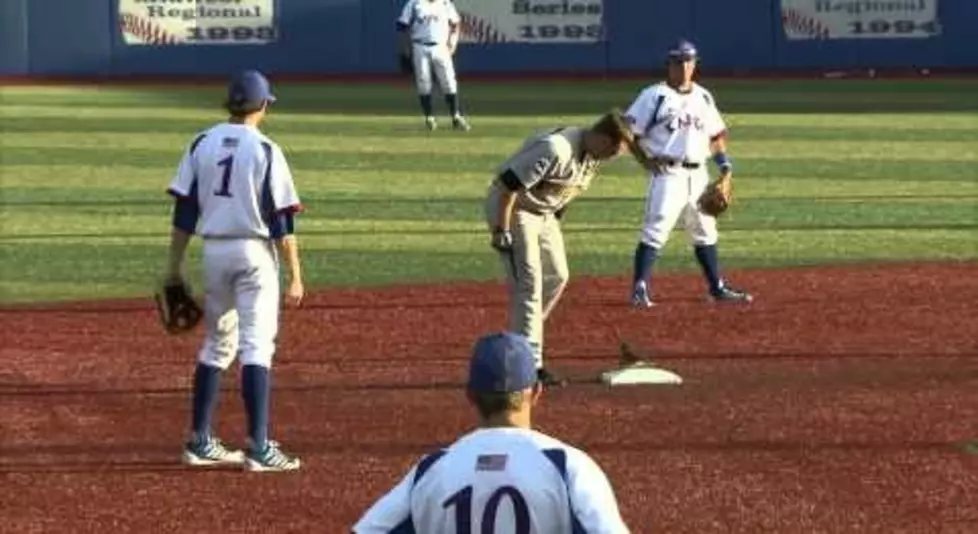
(841, 401)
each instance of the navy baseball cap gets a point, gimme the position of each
(683, 50)
(249, 90)
(502, 363)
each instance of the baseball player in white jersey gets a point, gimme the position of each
(234, 188)
(678, 123)
(525, 201)
(429, 32)
(503, 476)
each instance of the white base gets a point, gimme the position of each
(640, 373)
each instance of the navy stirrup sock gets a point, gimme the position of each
(425, 104)
(254, 390)
(645, 256)
(452, 101)
(207, 387)
(706, 255)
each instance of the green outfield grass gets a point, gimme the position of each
(826, 172)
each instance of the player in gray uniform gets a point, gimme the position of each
(523, 207)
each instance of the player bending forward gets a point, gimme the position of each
(429, 31)
(523, 207)
(679, 125)
(503, 476)
(235, 183)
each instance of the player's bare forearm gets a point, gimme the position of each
(288, 248)
(642, 155)
(179, 239)
(507, 199)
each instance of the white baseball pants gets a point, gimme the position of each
(241, 302)
(437, 58)
(536, 273)
(671, 194)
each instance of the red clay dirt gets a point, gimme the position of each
(841, 401)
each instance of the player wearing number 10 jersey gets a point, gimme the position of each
(503, 476)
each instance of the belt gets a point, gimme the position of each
(669, 162)
(425, 43)
(233, 238)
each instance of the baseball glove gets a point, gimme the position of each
(178, 310)
(714, 201)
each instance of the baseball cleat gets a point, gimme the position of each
(270, 459)
(459, 123)
(430, 123)
(548, 379)
(729, 294)
(210, 452)
(640, 296)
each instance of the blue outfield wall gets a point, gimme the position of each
(356, 37)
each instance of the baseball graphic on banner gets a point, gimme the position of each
(195, 22)
(531, 21)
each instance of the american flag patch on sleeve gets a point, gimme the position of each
(491, 462)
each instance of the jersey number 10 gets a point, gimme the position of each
(462, 501)
(225, 190)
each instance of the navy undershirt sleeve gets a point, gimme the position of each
(185, 214)
(281, 224)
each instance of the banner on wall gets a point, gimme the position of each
(197, 22)
(531, 21)
(859, 19)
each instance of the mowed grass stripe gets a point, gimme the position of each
(826, 172)
(431, 156)
(852, 96)
(30, 131)
(396, 220)
(49, 118)
(130, 187)
(131, 269)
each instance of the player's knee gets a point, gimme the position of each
(218, 354)
(257, 353)
(653, 238)
(559, 277)
(704, 237)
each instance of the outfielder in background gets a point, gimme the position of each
(503, 476)
(523, 207)
(235, 188)
(678, 124)
(429, 31)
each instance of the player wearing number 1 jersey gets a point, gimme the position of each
(234, 188)
(503, 476)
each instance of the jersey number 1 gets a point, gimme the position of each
(225, 190)
(462, 501)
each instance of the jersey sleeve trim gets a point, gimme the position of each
(174, 192)
(186, 212)
(558, 457)
(196, 143)
(426, 463)
(174, 189)
(268, 198)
